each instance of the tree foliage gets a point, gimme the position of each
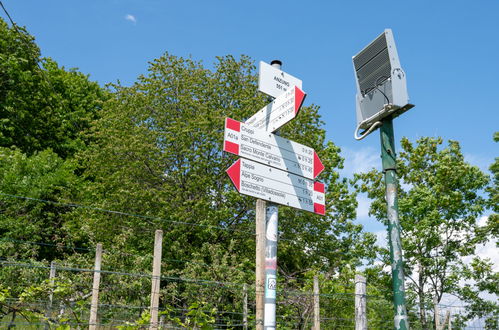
(440, 201)
(41, 104)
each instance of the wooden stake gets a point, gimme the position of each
(260, 262)
(436, 313)
(95, 288)
(317, 310)
(48, 312)
(156, 277)
(245, 306)
(360, 303)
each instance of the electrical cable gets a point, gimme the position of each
(377, 123)
(125, 213)
(366, 132)
(37, 61)
(376, 85)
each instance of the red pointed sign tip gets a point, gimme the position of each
(232, 124)
(234, 172)
(319, 209)
(299, 97)
(318, 166)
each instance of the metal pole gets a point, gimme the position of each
(271, 268)
(360, 303)
(271, 255)
(260, 263)
(389, 168)
(269, 321)
(156, 277)
(95, 288)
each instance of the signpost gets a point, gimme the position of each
(273, 81)
(280, 111)
(277, 186)
(273, 169)
(270, 149)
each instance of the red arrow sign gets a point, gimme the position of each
(261, 181)
(269, 149)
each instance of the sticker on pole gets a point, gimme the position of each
(273, 81)
(264, 182)
(269, 149)
(280, 111)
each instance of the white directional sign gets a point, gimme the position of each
(280, 111)
(274, 82)
(271, 184)
(267, 148)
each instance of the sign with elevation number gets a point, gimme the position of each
(280, 111)
(267, 148)
(262, 181)
(274, 82)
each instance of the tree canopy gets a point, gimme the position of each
(441, 200)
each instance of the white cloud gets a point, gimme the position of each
(488, 250)
(363, 207)
(131, 18)
(381, 239)
(360, 160)
(483, 162)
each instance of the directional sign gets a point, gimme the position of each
(274, 82)
(267, 148)
(271, 184)
(277, 113)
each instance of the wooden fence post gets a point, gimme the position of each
(245, 306)
(360, 303)
(436, 313)
(317, 310)
(92, 323)
(156, 278)
(48, 312)
(260, 216)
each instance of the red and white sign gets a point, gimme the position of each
(271, 184)
(269, 149)
(280, 111)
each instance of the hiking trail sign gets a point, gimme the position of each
(273, 168)
(270, 149)
(278, 112)
(274, 185)
(273, 81)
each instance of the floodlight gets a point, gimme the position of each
(381, 83)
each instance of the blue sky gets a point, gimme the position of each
(448, 49)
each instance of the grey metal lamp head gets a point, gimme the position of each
(381, 82)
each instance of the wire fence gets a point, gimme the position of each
(31, 298)
(42, 294)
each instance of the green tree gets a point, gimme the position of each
(440, 201)
(42, 105)
(28, 181)
(493, 191)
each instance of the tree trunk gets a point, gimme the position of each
(422, 310)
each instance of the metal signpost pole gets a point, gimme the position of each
(271, 256)
(389, 169)
(271, 268)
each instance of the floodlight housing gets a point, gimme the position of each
(381, 82)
